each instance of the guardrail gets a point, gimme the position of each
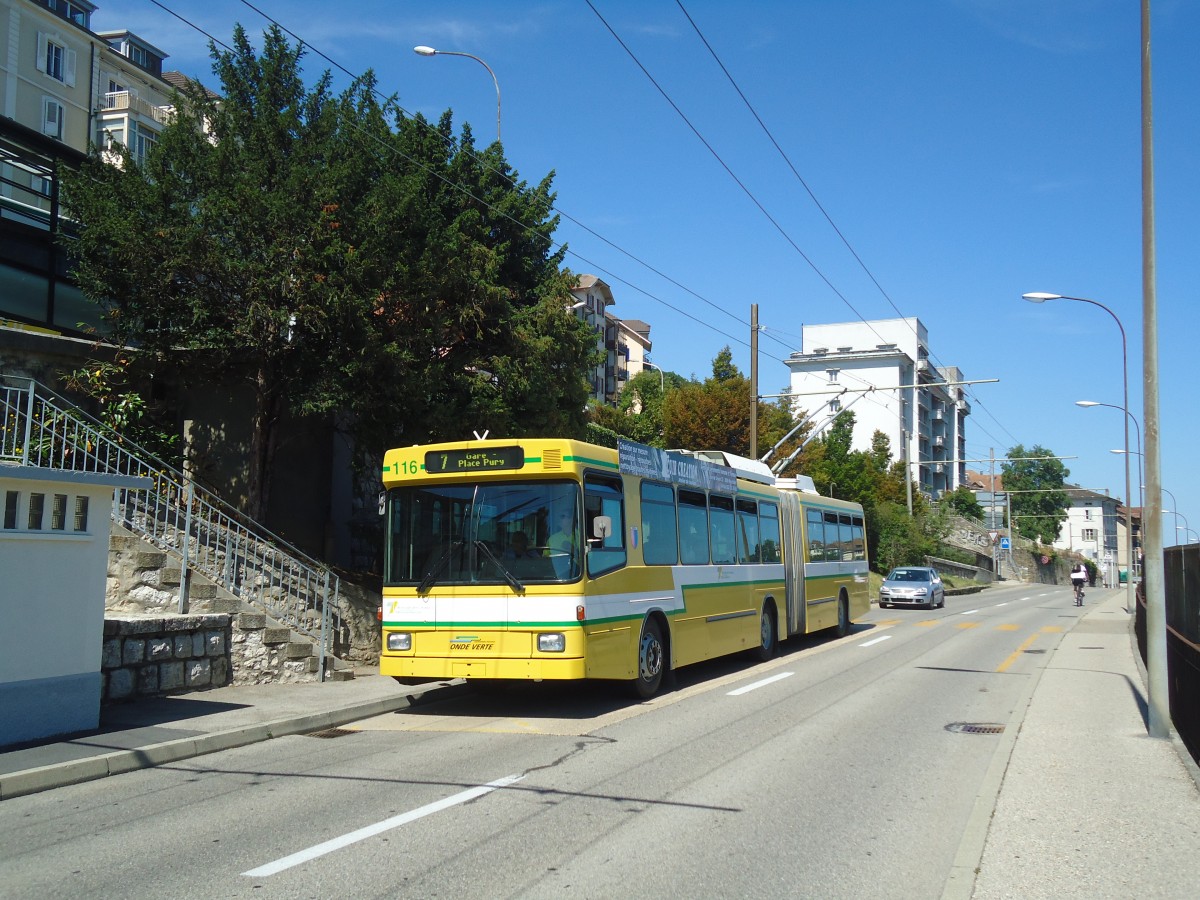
(40, 428)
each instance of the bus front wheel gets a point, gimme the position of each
(651, 661)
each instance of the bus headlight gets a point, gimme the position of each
(399, 640)
(552, 643)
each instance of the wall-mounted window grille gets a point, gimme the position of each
(37, 509)
(81, 513)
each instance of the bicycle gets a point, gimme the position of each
(1078, 592)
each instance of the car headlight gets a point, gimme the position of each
(555, 642)
(399, 640)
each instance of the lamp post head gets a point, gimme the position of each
(1087, 403)
(424, 51)
(1039, 297)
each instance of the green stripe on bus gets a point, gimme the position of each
(587, 460)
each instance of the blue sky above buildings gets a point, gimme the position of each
(968, 151)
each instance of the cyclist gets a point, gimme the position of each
(1079, 575)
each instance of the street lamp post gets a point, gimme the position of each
(662, 384)
(1158, 714)
(429, 51)
(1174, 503)
(1039, 297)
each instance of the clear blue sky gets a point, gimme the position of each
(968, 150)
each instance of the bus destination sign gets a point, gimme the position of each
(484, 459)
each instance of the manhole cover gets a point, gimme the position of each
(332, 733)
(975, 728)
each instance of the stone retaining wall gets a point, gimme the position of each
(164, 655)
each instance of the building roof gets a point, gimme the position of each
(181, 82)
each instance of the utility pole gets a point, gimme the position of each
(754, 381)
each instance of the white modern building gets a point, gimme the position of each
(884, 369)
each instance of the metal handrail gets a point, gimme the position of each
(40, 428)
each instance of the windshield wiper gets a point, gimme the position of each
(509, 577)
(431, 574)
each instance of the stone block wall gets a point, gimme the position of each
(155, 656)
(264, 653)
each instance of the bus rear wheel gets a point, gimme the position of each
(843, 622)
(651, 661)
(768, 642)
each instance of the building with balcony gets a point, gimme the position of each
(884, 369)
(624, 343)
(63, 89)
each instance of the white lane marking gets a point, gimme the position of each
(875, 641)
(279, 865)
(969, 612)
(758, 684)
(1005, 603)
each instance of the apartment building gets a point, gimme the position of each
(883, 369)
(63, 88)
(625, 343)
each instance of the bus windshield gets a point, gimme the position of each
(483, 533)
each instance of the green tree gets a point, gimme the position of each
(962, 501)
(1039, 503)
(715, 414)
(336, 260)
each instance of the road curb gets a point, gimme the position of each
(44, 778)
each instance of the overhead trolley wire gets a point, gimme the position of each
(813, 197)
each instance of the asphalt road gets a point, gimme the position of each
(842, 768)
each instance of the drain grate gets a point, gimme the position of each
(975, 728)
(1035, 651)
(332, 733)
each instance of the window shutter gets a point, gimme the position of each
(41, 52)
(69, 68)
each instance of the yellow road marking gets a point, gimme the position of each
(928, 623)
(888, 622)
(1016, 653)
(967, 625)
(1051, 629)
(1008, 627)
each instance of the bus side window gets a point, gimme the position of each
(660, 546)
(604, 496)
(720, 511)
(833, 545)
(815, 528)
(768, 527)
(860, 545)
(693, 528)
(747, 531)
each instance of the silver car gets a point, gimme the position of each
(912, 586)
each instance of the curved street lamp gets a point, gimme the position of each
(662, 384)
(429, 51)
(1039, 297)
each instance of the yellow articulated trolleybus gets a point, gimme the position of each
(538, 559)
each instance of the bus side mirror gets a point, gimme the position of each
(601, 528)
(382, 502)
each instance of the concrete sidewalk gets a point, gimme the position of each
(168, 729)
(1086, 804)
